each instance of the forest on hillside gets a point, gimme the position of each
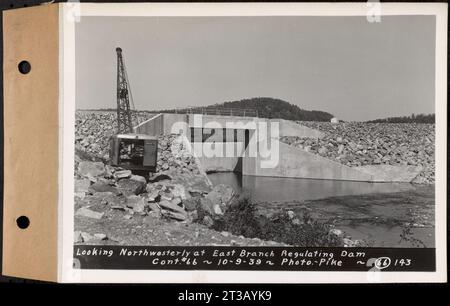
(268, 108)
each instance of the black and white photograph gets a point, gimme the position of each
(308, 134)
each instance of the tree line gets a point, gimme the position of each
(419, 118)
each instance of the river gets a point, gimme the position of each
(375, 212)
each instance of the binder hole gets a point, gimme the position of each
(24, 67)
(23, 222)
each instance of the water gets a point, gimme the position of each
(275, 189)
(373, 212)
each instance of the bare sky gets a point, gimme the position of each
(347, 66)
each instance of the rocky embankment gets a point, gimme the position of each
(175, 206)
(93, 130)
(359, 144)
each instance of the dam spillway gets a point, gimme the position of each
(251, 146)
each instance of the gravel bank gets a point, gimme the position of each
(359, 144)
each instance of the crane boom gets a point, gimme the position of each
(124, 122)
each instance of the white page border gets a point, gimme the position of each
(67, 128)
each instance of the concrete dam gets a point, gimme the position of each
(251, 146)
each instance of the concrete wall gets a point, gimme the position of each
(297, 163)
(219, 164)
(293, 162)
(163, 124)
(226, 156)
(170, 123)
(391, 173)
(290, 128)
(174, 122)
(153, 126)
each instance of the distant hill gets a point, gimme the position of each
(272, 108)
(420, 118)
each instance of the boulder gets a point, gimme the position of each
(178, 190)
(159, 177)
(205, 207)
(100, 199)
(174, 215)
(176, 201)
(166, 195)
(86, 212)
(100, 236)
(221, 195)
(191, 203)
(217, 209)
(109, 171)
(91, 169)
(207, 221)
(192, 215)
(122, 174)
(291, 214)
(138, 178)
(82, 185)
(170, 206)
(152, 196)
(86, 237)
(103, 187)
(77, 238)
(136, 203)
(336, 232)
(154, 207)
(128, 186)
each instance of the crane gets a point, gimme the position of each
(124, 118)
(135, 152)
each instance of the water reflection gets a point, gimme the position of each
(275, 189)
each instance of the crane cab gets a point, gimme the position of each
(136, 152)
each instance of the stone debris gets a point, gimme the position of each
(86, 237)
(166, 205)
(91, 169)
(159, 177)
(220, 197)
(93, 130)
(207, 221)
(290, 214)
(154, 207)
(82, 185)
(191, 204)
(86, 212)
(122, 174)
(359, 144)
(138, 178)
(80, 237)
(100, 236)
(103, 187)
(152, 196)
(129, 186)
(77, 237)
(174, 215)
(336, 232)
(136, 203)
